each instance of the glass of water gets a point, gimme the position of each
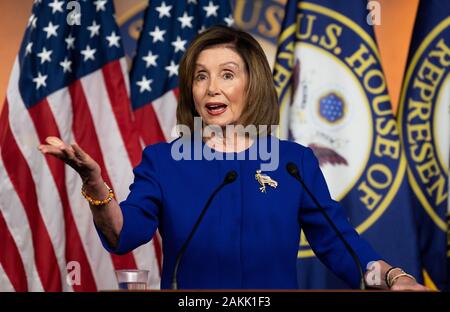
(132, 279)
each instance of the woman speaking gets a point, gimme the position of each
(229, 218)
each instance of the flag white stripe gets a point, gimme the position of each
(16, 220)
(146, 260)
(5, 283)
(124, 66)
(145, 255)
(115, 156)
(100, 260)
(165, 108)
(49, 201)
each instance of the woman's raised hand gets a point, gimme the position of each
(74, 156)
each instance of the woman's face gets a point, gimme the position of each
(219, 86)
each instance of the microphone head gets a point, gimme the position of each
(230, 177)
(292, 169)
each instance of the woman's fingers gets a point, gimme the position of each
(68, 151)
(49, 149)
(87, 161)
(54, 141)
(79, 153)
(73, 155)
(56, 147)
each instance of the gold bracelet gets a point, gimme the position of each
(390, 282)
(97, 202)
(389, 273)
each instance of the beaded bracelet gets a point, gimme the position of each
(97, 202)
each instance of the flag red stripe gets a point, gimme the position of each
(176, 92)
(10, 258)
(120, 103)
(148, 126)
(20, 175)
(118, 97)
(158, 249)
(86, 136)
(74, 250)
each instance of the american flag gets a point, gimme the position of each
(169, 27)
(69, 80)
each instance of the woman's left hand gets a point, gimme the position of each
(406, 283)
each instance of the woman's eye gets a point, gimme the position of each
(228, 76)
(200, 77)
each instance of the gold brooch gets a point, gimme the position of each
(264, 179)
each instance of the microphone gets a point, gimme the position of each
(293, 171)
(229, 178)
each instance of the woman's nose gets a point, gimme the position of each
(213, 88)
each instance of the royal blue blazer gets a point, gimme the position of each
(247, 239)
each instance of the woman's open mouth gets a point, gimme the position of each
(215, 109)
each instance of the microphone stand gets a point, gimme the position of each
(293, 171)
(229, 178)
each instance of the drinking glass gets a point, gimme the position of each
(132, 279)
